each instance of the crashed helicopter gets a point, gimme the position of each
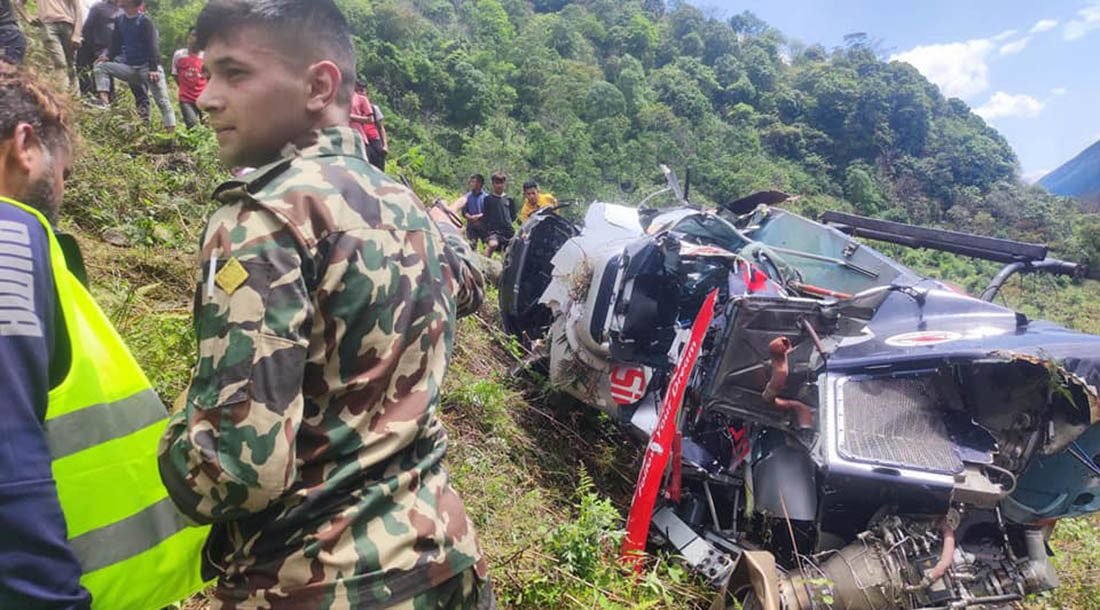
(852, 434)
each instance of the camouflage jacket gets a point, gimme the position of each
(310, 437)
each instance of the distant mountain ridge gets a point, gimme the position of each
(1079, 177)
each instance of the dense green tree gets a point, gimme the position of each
(1088, 235)
(398, 23)
(471, 99)
(760, 68)
(728, 70)
(861, 188)
(718, 40)
(748, 24)
(632, 83)
(638, 37)
(438, 11)
(603, 101)
(492, 24)
(548, 6)
(681, 91)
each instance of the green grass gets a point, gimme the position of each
(1077, 546)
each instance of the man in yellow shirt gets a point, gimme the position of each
(533, 200)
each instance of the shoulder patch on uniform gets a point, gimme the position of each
(232, 275)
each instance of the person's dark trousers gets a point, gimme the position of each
(141, 100)
(475, 232)
(85, 62)
(191, 114)
(13, 46)
(498, 242)
(376, 156)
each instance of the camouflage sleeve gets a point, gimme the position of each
(469, 280)
(230, 452)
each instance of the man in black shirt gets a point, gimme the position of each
(12, 44)
(98, 31)
(500, 213)
(99, 28)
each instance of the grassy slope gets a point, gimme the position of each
(545, 482)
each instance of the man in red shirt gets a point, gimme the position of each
(366, 119)
(187, 70)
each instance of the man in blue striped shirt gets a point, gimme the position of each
(38, 569)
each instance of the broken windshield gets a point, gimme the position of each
(709, 230)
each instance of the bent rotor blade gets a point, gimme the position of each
(673, 182)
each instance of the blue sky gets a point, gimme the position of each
(1031, 69)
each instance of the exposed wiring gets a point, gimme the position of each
(1076, 451)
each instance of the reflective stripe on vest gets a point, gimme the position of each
(74, 432)
(103, 423)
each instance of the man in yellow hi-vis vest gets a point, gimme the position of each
(84, 519)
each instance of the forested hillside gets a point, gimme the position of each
(588, 97)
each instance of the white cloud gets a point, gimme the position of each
(1006, 104)
(1058, 91)
(1043, 25)
(1088, 19)
(1003, 36)
(1035, 175)
(1013, 48)
(959, 68)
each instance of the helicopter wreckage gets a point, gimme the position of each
(850, 431)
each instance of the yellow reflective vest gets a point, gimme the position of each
(103, 422)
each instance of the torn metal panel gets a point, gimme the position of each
(713, 564)
(1066, 374)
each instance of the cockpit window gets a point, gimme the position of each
(709, 230)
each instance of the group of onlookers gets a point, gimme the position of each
(490, 217)
(116, 40)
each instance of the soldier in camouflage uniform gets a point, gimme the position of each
(325, 320)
